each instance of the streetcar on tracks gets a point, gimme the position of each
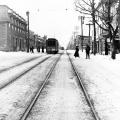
(52, 46)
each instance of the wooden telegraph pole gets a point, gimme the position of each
(82, 21)
(27, 13)
(89, 32)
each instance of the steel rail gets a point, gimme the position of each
(30, 106)
(21, 74)
(94, 113)
(11, 67)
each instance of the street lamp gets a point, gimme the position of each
(89, 31)
(27, 13)
(82, 22)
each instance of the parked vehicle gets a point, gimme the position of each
(52, 46)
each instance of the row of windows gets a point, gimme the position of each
(17, 29)
(17, 40)
(18, 43)
(18, 23)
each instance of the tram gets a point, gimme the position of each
(52, 46)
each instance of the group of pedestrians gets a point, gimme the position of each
(87, 50)
(38, 49)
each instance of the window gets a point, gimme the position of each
(9, 25)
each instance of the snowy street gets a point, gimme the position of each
(100, 75)
(62, 98)
(60, 60)
(16, 96)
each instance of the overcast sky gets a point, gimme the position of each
(54, 18)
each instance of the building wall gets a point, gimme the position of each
(3, 36)
(12, 30)
(14, 33)
(83, 43)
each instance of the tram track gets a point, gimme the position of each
(14, 78)
(33, 101)
(11, 67)
(87, 98)
(94, 113)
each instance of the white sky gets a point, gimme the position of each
(48, 17)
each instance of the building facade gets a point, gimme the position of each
(82, 41)
(13, 30)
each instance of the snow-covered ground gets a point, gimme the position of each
(8, 59)
(61, 99)
(101, 76)
(16, 97)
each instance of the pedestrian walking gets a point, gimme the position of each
(42, 49)
(76, 54)
(38, 48)
(31, 49)
(87, 51)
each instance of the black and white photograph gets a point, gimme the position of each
(60, 60)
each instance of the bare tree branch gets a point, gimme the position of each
(83, 12)
(80, 8)
(86, 3)
(90, 2)
(102, 11)
(101, 26)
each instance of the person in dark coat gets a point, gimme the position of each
(42, 49)
(87, 51)
(31, 49)
(76, 54)
(38, 48)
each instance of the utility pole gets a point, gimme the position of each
(89, 32)
(27, 13)
(93, 16)
(82, 22)
(119, 17)
(82, 18)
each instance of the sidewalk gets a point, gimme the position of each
(101, 76)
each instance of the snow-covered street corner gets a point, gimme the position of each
(101, 77)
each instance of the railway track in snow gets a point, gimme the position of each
(16, 65)
(28, 110)
(94, 113)
(5, 82)
(33, 101)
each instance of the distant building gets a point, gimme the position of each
(83, 40)
(39, 41)
(31, 38)
(80, 41)
(71, 44)
(12, 30)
